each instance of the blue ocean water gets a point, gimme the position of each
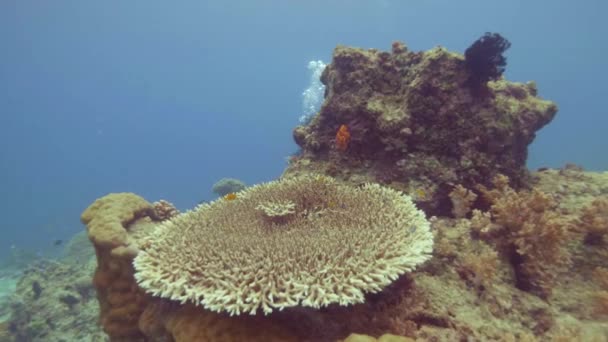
(165, 98)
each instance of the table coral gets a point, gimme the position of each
(305, 241)
(127, 314)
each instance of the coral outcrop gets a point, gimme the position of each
(109, 222)
(304, 241)
(414, 123)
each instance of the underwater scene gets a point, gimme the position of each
(353, 171)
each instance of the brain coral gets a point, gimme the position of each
(330, 243)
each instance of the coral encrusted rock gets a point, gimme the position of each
(414, 123)
(333, 244)
(110, 221)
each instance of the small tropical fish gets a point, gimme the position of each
(57, 242)
(231, 196)
(420, 194)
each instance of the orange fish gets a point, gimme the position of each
(230, 197)
(342, 138)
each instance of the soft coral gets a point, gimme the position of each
(484, 59)
(530, 230)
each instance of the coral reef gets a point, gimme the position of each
(157, 319)
(528, 264)
(465, 292)
(531, 232)
(414, 124)
(54, 302)
(226, 186)
(330, 243)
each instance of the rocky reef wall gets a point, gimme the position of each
(413, 122)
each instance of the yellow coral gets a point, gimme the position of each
(230, 197)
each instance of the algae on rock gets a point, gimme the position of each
(413, 120)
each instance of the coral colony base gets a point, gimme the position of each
(339, 248)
